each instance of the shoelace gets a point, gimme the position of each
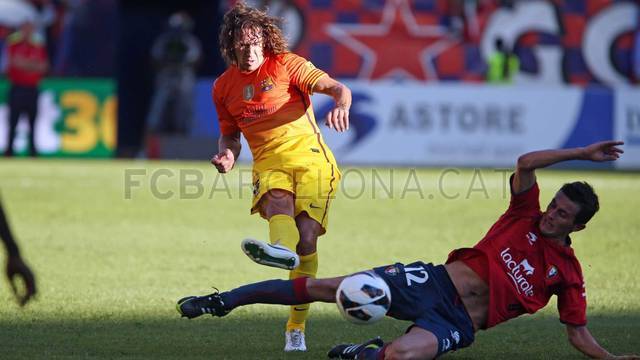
(211, 310)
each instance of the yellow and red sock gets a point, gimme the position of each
(308, 268)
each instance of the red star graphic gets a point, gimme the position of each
(397, 45)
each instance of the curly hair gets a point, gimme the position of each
(243, 17)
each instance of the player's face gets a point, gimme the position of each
(249, 49)
(558, 220)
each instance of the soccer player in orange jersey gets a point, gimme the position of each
(265, 95)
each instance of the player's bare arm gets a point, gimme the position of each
(581, 339)
(338, 118)
(16, 267)
(229, 147)
(525, 177)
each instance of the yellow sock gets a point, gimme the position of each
(283, 230)
(309, 268)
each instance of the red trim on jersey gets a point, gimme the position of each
(523, 268)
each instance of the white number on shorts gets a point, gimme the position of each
(416, 279)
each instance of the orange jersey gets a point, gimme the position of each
(270, 105)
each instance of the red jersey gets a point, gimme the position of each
(523, 268)
(31, 49)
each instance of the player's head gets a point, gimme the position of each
(247, 34)
(570, 210)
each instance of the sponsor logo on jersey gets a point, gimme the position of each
(391, 270)
(266, 84)
(518, 272)
(532, 238)
(553, 271)
(248, 92)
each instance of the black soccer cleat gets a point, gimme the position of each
(194, 306)
(350, 351)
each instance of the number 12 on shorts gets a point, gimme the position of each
(416, 274)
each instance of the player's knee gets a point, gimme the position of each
(309, 232)
(276, 202)
(307, 245)
(323, 289)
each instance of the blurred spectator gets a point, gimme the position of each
(503, 64)
(26, 62)
(87, 43)
(15, 265)
(175, 54)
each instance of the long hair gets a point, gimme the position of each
(242, 17)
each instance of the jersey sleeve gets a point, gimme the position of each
(572, 302)
(526, 203)
(302, 73)
(228, 126)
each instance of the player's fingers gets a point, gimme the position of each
(345, 120)
(338, 120)
(327, 120)
(12, 283)
(334, 119)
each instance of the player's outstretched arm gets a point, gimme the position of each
(581, 339)
(338, 118)
(229, 147)
(525, 177)
(15, 265)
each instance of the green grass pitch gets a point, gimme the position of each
(114, 244)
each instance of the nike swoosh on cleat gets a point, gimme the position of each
(314, 206)
(296, 309)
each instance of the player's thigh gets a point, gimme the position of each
(276, 201)
(273, 191)
(316, 187)
(418, 343)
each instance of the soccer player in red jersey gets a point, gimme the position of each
(524, 259)
(27, 63)
(265, 95)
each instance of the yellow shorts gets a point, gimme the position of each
(307, 170)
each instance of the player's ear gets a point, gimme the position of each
(578, 227)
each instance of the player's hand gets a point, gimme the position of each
(338, 118)
(603, 151)
(224, 161)
(17, 268)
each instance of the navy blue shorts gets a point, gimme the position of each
(424, 294)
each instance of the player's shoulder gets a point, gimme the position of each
(287, 57)
(222, 81)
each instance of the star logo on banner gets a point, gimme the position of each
(396, 47)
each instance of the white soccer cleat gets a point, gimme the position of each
(294, 341)
(270, 255)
